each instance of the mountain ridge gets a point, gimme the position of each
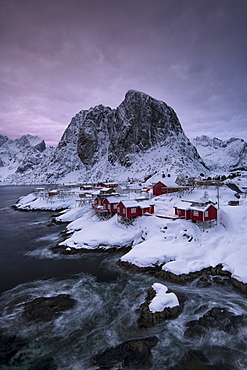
(222, 155)
(141, 137)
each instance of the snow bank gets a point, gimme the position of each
(162, 299)
(35, 202)
(73, 214)
(105, 234)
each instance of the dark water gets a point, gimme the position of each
(108, 299)
(26, 235)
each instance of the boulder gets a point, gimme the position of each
(134, 354)
(148, 318)
(48, 308)
(216, 318)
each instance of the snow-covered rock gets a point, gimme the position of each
(162, 299)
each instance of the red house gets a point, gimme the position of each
(51, 193)
(164, 188)
(134, 208)
(98, 204)
(111, 203)
(196, 211)
(86, 187)
(107, 185)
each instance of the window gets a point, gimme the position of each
(114, 206)
(109, 207)
(133, 210)
(124, 211)
(206, 214)
(195, 213)
(118, 209)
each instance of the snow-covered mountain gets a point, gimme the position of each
(140, 138)
(19, 157)
(220, 155)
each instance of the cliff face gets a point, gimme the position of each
(138, 124)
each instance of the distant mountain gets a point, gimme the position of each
(138, 139)
(21, 156)
(220, 155)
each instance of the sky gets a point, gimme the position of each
(62, 56)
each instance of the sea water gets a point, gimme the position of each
(108, 300)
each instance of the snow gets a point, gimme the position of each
(162, 299)
(35, 202)
(179, 246)
(105, 234)
(221, 155)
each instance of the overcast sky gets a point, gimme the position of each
(58, 57)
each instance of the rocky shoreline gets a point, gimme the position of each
(64, 250)
(205, 276)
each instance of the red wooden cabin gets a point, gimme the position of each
(196, 211)
(86, 187)
(98, 204)
(107, 185)
(133, 208)
(111, 203)
(160, 188)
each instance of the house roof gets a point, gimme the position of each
(194, 206)
(135, 203)
(114, 199)
(200, 207)
(169, 182)
(183, 205)
(145, 204)
(130, 203)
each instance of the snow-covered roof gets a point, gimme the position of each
(106, 190)
(145, 204)
(194, 206)
(114, 199)
(130, 203)
(167, 181)
(183, 205)
(200, 207)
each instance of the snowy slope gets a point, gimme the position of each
(222, 155)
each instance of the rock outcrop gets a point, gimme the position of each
(148, 318)
(47, 308)
(133, 354)
(217, 318)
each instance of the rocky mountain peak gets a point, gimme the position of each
(138, 124)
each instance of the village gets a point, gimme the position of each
(180, 227)
(133, 199)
